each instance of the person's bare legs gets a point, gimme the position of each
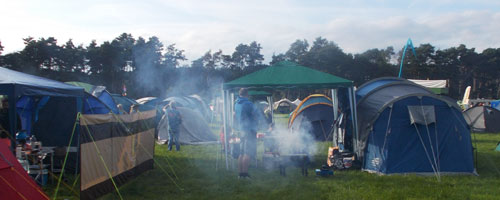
(240, 164)
(245, 163)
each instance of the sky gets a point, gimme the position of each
(199, 26)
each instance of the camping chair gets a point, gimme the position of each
(59, 154)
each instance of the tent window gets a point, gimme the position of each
(423, 115)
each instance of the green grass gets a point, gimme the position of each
(195, 167)
(202, 175)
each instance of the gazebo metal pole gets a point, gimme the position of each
(353, 119)
(272, 109)
(224, 121)
(12, 117)
(335, 117)
(231, 109)
(355, 116)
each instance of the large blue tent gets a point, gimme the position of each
(405, 128)
(51, 108)
(17, 85)
(45, 107)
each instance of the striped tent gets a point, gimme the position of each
(314, 115)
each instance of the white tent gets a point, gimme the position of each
(297, 102)
(430, 83)
(284, 106)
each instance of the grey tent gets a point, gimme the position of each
(193, 130)
(483, 119)
(194, 102)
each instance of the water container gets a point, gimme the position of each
(42, 178)
(19, 150)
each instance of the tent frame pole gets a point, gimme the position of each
(224, 121)
(230, 96)
(12, 97)
(79, 108)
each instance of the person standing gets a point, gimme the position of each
(174, 121)
(247, 122)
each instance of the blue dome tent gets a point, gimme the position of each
(314, 114)
(405, 128)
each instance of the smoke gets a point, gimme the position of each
(147, 75)
(295, 141)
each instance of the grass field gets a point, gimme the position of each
(201, 174)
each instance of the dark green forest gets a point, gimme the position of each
(147, 67)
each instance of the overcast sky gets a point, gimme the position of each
(198, 26)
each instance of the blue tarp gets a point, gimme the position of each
(27, 108)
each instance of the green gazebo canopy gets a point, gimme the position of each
(258, 93)
(287, 74)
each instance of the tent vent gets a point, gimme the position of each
(423, 115)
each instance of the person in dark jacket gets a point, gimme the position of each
(174, 122)
(246, 117)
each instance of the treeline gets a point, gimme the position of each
(146, 67)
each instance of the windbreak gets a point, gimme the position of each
(114, 149)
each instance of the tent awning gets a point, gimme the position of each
(29, 85)
(288, 75)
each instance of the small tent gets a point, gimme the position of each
(100, 93)
(148, 100)
(405, 128)
(262, 105)
(284, 106)
(193, 130)
(314, 115)
(14, 181)
(297, 102)
(194, 102)
(436, 86)
(483, 119)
